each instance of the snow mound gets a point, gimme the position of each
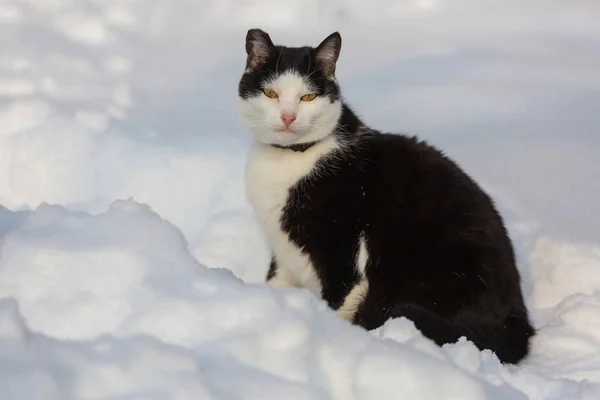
(566, 296)
(120, 290)
(113, 304)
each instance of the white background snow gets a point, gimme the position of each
(130, 263)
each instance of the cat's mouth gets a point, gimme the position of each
(286, 130)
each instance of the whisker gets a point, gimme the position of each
(277, 64)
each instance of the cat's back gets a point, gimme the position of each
(414, 174)
(394, 156)
(418, 195)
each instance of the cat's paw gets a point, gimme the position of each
(282, 280)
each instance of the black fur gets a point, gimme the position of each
(439, 253)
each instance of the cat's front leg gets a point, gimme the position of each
(279, 277)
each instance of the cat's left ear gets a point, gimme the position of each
(327, 53)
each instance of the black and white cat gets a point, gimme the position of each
(378, 225)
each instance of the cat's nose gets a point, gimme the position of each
(288, 118)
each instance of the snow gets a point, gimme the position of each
(130, 263)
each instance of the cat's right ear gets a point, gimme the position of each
(328, 52)
(258, 48)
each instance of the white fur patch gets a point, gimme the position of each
(357, 294)
(315, 119)
(353, 300)
(362, 256)
(270, 173)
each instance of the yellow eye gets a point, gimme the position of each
(308, 97)
(271, 93)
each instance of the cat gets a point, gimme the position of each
(378, 225)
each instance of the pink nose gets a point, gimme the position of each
(288, 118)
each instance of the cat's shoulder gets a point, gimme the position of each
(392, 155)
(398, 145)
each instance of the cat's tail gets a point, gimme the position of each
(510, 340)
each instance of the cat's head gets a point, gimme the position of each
(289, 95)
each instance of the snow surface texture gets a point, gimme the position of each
(130, 263)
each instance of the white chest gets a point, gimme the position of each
(270, 174)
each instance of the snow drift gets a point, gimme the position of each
(113, 304)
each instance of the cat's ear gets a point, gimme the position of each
(258, 48)
(327, 53)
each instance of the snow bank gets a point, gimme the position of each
(115, 305)
(567, 297)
